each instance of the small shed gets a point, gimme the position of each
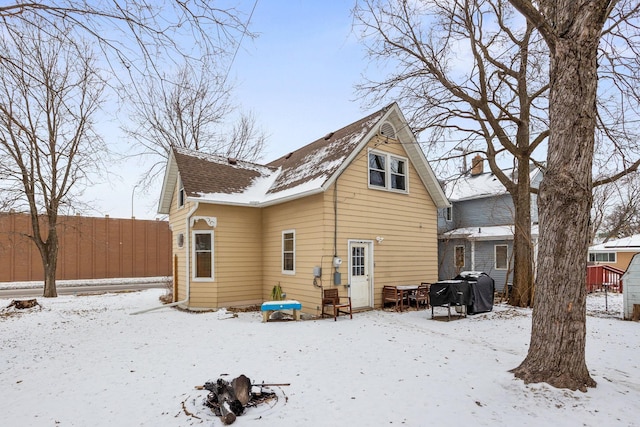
(631, 290)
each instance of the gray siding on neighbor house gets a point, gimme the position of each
(483, 259)
(484, 212)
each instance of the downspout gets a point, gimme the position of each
(187, 264)
(335, 219)
(473, 255)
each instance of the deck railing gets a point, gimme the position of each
(600, 277)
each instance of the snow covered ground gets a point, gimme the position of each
(87, 361)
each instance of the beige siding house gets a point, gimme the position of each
(355, 210)
(615, 253)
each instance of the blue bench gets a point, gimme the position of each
(270, 306)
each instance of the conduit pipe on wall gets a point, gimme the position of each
(187, 264)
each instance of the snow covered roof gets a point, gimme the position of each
(470, 186)
(626, 244)
(495, 232)
(311, 169)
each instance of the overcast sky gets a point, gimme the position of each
(297, 77)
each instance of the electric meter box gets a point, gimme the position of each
(337, 278)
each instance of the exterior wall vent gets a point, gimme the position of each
(387, 129)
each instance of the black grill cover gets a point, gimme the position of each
(482, 290)
(446, 292)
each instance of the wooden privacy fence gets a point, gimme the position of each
(90, 248)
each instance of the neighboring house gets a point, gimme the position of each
(615, 253)
(356, 210)
(476, 232)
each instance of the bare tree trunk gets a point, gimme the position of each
(48, 249)
(522, 294)
(557, 349)
(50, 263)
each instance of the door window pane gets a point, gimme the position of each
(357, 261)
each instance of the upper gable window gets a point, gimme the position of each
(387, 171)
(180, 194)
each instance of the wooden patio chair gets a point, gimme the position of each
(337, 304)
(421, 296)
(391, 294)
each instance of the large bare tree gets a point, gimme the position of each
(475, 74)
(573, 31)
(482, 70)
(138, 37)
(616, 209)
(135, 39)
(49, 92)
(189, 109)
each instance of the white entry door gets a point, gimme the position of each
(360, 274)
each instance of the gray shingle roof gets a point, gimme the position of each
(211, 177)
(211, 174)
(309, 170)
(324, 156)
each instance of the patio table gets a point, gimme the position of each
(406, 290)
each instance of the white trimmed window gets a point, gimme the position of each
(501, 254)
(448, 214)
(289, 252)
(203, 255)
(458, 257)
(602, 257)
(387, 171)
(180, 194)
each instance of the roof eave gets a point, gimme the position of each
(291, 197)
(168, 185)
(258, 204)
(420, 162)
